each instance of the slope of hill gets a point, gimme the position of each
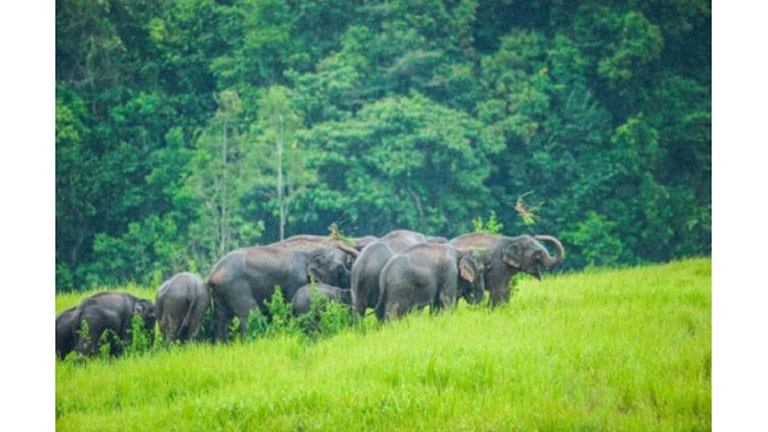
(604, 350)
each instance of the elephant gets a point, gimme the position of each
(66, 332)
(365, 272)
(245, 279)
(429, 274)
(346, 251)
(301, 302)
(102, 312)
(505, 256)
(181, 304)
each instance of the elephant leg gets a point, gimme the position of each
(500, 295)
(85, 345)
(222, 325)
(183, 331)
(88, 344)
(243, 327)
(118, 344)
(193, 330)
(445, 301)
(168, 329)
(395, 310)
(194, 327)
(358, 304)
(196, 319)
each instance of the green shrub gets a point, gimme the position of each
(491, 226)
(258, 325)
(280, 314)
(140, 339)
(325, 317)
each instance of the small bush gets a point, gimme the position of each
(258, 325)
(280, 314)
(140, 339)
(325, 317)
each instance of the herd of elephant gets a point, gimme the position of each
(394, 274)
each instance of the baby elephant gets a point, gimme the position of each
(181, 304)
(301, 300)
(106, 312)
(429, 274)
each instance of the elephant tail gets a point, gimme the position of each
(185, 321)
(381, 306)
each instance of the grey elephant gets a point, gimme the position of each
(181, 304)
(344, 250)
(107, 311)
(505, 256)
(66, 331)
(245, 279)
(301, 302)
(367, 268)
(429, 274)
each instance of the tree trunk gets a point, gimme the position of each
(280, 192)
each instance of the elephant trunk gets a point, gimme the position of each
(549, 261)
(349, 250)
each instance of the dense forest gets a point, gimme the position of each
(188, 128)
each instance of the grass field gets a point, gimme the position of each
(626, 350)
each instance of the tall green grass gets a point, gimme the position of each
(604, 350)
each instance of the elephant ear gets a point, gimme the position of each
(466, 269)
(312, 275)
(143, 308)
(139, 308)
(509, 257)
(316, 262)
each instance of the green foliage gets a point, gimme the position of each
(402, 161)
(141, 339)
(595, 242)
(108, 343)
(280, 315)
(325, 317)
(258, 325)
(490, 226)
(84, 334)
(188, 128)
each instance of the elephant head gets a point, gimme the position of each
(526, 253)
(323, 266)
(472, 271)
(146, 310)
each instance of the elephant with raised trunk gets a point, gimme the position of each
(181, 304)
(505, 256)
(301, 302)
(367, 268)
(107, 311)
(429, 274)
(245, 279)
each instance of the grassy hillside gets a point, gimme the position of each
(606, 350)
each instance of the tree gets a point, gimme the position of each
(186, 128)
(218, 180)
(75, 191)
(281, 174)
(401, 162)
